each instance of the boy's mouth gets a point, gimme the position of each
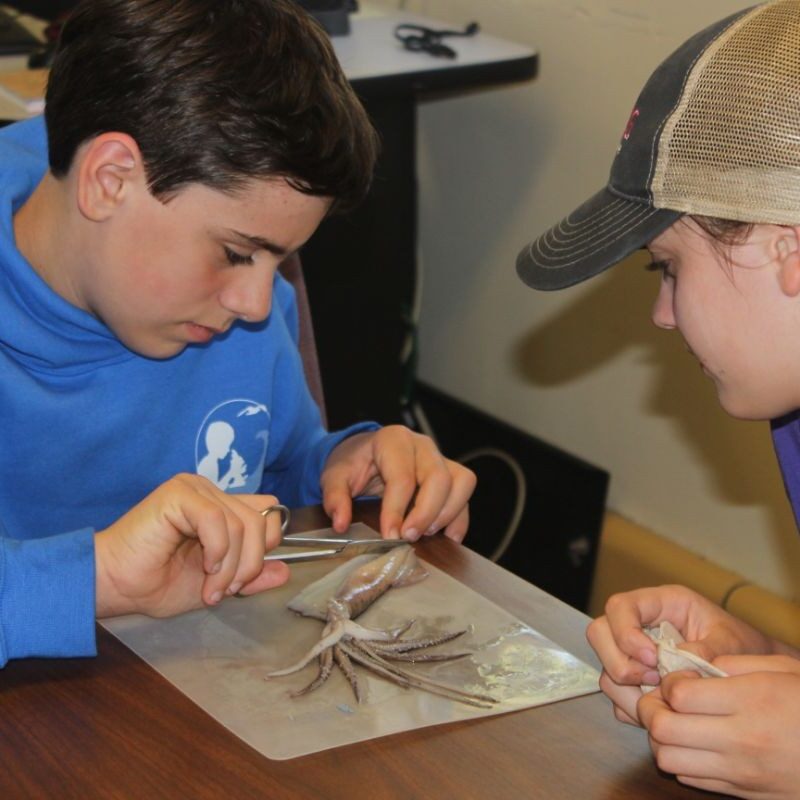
(201, 333)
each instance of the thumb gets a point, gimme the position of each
(703, 648)
(742, 665)
(718, 641)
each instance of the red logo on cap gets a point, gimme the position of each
(626, 134)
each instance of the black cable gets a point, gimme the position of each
(419, 38)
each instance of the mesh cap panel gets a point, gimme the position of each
(731, 148)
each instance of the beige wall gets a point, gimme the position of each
(583, 368)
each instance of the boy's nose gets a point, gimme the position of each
(250, 298)
(662, 314)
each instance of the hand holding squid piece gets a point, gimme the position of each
(340, 597)
(737, 734)
(400, 466)
(629, 656)
(185, 545)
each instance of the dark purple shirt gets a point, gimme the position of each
(786, 438)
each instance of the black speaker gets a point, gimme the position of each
(537, 510)
(333, 15)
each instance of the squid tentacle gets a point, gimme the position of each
(325, 667)
(415, 658)
(405, 645)
(371, 661)
(345, 665)
(356, 631)
(337, 629)
(422, 680)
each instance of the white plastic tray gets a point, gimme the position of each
(218, 658)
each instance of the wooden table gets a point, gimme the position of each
(112, 727)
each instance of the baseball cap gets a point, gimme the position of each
(715, 132)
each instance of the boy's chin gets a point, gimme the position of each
(755, 410)
(158, 351)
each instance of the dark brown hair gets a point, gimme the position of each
(216, 92)
(727, 232)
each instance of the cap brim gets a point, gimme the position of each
(597, 235)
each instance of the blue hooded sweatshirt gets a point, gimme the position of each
(90, 427)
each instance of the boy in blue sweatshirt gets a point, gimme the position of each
(187, 149)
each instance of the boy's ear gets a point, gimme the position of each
(109, 168)
(787, 254)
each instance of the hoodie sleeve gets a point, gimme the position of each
(301, 445)
(296, 482)
(47, 596)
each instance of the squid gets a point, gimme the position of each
(343, 595)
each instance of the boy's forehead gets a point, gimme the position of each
(688, 235)
(683, 237)
(243, 190)
(667, 236)
(269, 214)
(255, 197)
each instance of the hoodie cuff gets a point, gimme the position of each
(47, 596)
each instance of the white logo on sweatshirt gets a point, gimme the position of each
(231, 445)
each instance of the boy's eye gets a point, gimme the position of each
(660, 266)
(235, 258)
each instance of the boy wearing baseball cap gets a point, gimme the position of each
(707, 178)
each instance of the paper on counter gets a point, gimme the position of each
(218, 658)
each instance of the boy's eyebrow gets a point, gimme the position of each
(261, 243)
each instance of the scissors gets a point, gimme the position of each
(327, 547)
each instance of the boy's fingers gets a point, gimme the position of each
(622, 668)
(625, 620)
(624, 698)
(251, 556)
(457, 529)
(269, 525)
(430, 500)
(454, 515)
(273, 574)
(338, 504)
(624, 717)
(230, 562)
(688, 692)
(744, 664)
(257, 502)
(397, 467)
(205, 520)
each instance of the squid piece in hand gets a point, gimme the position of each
(340, 597)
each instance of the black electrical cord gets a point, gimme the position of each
(419, 38)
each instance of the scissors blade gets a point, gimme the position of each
(307, 555)
(355, 547)
(314, 541)
(329, 548)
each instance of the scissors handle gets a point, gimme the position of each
(286, 515)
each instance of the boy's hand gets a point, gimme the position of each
(629, 656)
(736, 735)
(394, 463)
(186, 544)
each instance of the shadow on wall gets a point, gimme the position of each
(612, 317)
